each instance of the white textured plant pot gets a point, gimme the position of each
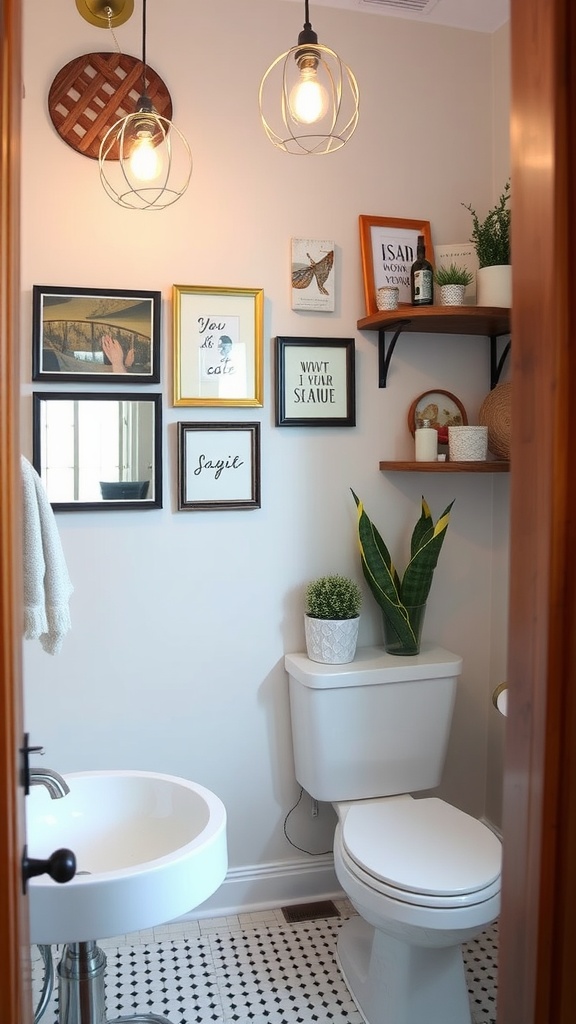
(467, 444)
(452, 294)
(494, 286)
(331, 641)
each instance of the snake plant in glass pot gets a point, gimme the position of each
(402, 601)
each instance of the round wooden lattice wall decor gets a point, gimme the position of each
(92, 92)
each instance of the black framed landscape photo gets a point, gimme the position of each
(96, 335)
(315, 382)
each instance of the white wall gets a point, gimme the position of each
(181, 620)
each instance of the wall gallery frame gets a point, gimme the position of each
(388, 250)
(218, 466)
(315, 382)
(98, 450)
(100, 335)
(312, 275)
(218, 346)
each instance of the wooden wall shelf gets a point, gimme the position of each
(491, 466)
(492, 321)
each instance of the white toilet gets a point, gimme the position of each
(423, 875)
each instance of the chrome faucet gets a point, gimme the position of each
(46, 777)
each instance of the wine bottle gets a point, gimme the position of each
(421, 277)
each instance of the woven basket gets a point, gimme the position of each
(495, 413)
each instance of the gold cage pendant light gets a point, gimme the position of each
(309, 98)
(145, 161)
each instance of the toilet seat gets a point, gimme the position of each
(424, 852)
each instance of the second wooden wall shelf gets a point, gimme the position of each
(490, 466)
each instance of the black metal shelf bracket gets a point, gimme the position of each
(497, 361)
(384, 356)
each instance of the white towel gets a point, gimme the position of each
(47, 586)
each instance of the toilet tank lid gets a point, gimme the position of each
(373, 665)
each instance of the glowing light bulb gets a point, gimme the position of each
(308, 99)
(145, 162)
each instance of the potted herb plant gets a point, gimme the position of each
(332, 618)
(491, 239)
(452, 281)
(402, 601)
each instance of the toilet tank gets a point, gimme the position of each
(377, 726)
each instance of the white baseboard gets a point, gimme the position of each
(249, 889)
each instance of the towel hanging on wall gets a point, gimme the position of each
(47, 586)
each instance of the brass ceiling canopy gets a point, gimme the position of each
(106, 13)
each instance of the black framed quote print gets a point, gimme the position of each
(315, 382)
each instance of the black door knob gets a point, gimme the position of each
(61, 866)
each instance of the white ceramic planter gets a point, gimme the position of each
(331, 641)
(452, 294)
(494, 286)
(468, 444)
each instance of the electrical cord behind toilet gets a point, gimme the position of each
(319, 853)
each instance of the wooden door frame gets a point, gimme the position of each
(539, 891)
(538, 943)
(14, 930)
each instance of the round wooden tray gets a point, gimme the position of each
(92, 92)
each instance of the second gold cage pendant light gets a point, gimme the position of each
(309, 98)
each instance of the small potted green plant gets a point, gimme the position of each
(402, 601)
(491, 239)
(332, 618)
(452, 281)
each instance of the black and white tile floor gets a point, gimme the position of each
(250, 969)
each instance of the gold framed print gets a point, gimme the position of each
(218, 346)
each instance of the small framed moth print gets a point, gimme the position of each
(312, 275)
(315, 382)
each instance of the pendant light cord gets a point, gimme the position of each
(144, 66)
(108, 12)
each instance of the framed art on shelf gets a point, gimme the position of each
(218, 466)
(218, 346)
(442, 408)
(315, 382)
(100, 335)
(388, 250)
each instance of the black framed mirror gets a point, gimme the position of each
(97, 451)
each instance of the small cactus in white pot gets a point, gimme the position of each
(332, 618)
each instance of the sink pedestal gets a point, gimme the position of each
(81, 989)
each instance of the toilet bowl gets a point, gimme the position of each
(434, 885)
(423, 875)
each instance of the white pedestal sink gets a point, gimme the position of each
(148, 847)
